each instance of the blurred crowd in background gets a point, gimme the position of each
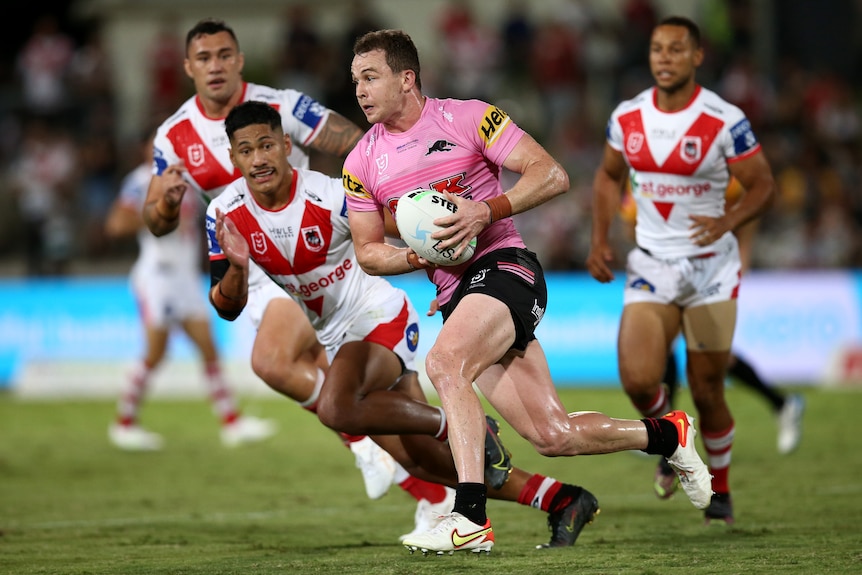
(61, 160)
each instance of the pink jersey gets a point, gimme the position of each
(457, 146)
(305, 246)
(202, 144)
(679, 165)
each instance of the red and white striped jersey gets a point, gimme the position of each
(202, 144)
(306, 246)
(679, 165)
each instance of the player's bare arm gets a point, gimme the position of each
(755, 176)
(375, 256)
(230, 294)
(338, 136)
(607, 185)
(542, 178)
(161, 212)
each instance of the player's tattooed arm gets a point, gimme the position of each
(338, 136)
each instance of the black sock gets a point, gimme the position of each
(662, 436)
(671, 378)
(746, 375)
(470, 500)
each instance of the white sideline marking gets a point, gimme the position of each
(217, 517)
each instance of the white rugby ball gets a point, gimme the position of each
(415, 215)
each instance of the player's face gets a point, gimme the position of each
(379, 91)
(215, 64)
(673, 58)
(260, 153)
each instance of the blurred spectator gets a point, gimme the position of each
(44, 180)
(517, 35)
(471, 51)
(167, 80)
(304, 56)
(43, 66)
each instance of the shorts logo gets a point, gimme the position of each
(312, 238)
(258, 242)
(196, 154)
(479, 277)
(411, 334)
(643, 285)
(538, 312)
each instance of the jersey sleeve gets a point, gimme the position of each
(213, 247)
(353, 177)
(488, 126)
(738, 141)
(133, 188)
(614, 132)
(302, 117)
(163, 151)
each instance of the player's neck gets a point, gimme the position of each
(216, 109)
(410, 114)
(675, 100)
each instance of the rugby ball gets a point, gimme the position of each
(415, 215)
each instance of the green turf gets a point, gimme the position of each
(71, 504)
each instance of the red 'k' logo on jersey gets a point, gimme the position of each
(452, 184)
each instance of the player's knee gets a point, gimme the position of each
(550, 440)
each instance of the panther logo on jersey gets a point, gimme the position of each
(312, 238)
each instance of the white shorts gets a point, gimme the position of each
(386, 317)
(168, 294)
(259, 296)
(686, 282)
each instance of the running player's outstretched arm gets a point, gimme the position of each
(161, 212)
(375, 256)
(607, 186)
(542, 177)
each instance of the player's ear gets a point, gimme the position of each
(288, 144)
(232, 160)
(240, 58)
(187, 66)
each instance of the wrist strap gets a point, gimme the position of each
(500, 207)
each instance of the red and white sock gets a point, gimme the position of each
(718, 450)
(657, 406)
(129, 403)
(220, 394)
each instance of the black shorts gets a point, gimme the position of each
(515, 277)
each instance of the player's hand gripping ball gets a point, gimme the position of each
(415, 215)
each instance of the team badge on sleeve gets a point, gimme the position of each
(308, 111)
(743, 137)
(353, 187)
(214, 248)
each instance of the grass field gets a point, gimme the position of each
(71, 504)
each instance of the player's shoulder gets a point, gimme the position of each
(185, 111)
(639, 101)
(263, 93)
(714, 103)
(231, 197)
(319, 187)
